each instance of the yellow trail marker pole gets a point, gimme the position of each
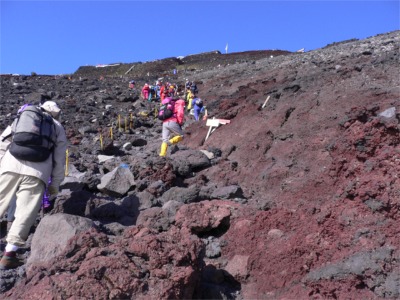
(101, 141)
(130, 121)
(126, 124)
(119, 121)
(111, 133)
(66, 162)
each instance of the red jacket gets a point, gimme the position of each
(179, 112)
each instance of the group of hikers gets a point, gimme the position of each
(32, 165)
(175, 101)
(188, 92)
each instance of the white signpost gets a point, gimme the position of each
(214, 124)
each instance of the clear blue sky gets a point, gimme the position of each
(57, 37)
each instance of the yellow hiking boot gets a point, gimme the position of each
(175, 139)
(164, 147)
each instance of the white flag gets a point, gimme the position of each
(226, 48)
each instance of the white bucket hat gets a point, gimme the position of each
(52, 108)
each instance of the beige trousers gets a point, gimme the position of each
(28, 191)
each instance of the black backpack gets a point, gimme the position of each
(199, 102)
(33, 135)
(166, 110)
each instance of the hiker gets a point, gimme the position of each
(145, 91)
(155, 92)
(26, 179)
(197, 104)
(188, 84)
(173, 125)
(5, 140)
(151, 93)
(171, 90)
(164, 91)
(190, 97)
(158, 89)
(131, 84)
(193, 88)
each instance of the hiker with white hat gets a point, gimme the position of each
(25, 169)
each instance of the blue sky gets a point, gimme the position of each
(57, 37)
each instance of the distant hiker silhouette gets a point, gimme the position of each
(145, 91)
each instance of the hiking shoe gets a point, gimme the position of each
(10, 261)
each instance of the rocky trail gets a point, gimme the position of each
(298, 197)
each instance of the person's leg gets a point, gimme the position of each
(165, 137)
(196, 114)
(177, 131)
(29, 199)
(29, 192)
(11, 210)
(11, 213)
(8, 188)
(176, 139)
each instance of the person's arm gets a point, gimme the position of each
(6, 143)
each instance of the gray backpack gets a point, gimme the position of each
(33, 135)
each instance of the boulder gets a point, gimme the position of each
(117, 182)
(183, 195)
(228, 192)
(73, 180)
(52, 236)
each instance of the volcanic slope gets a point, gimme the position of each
(301, 198)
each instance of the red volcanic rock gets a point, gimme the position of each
(141, 264)
(204, 217)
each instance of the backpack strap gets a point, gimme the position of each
(6, 137)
